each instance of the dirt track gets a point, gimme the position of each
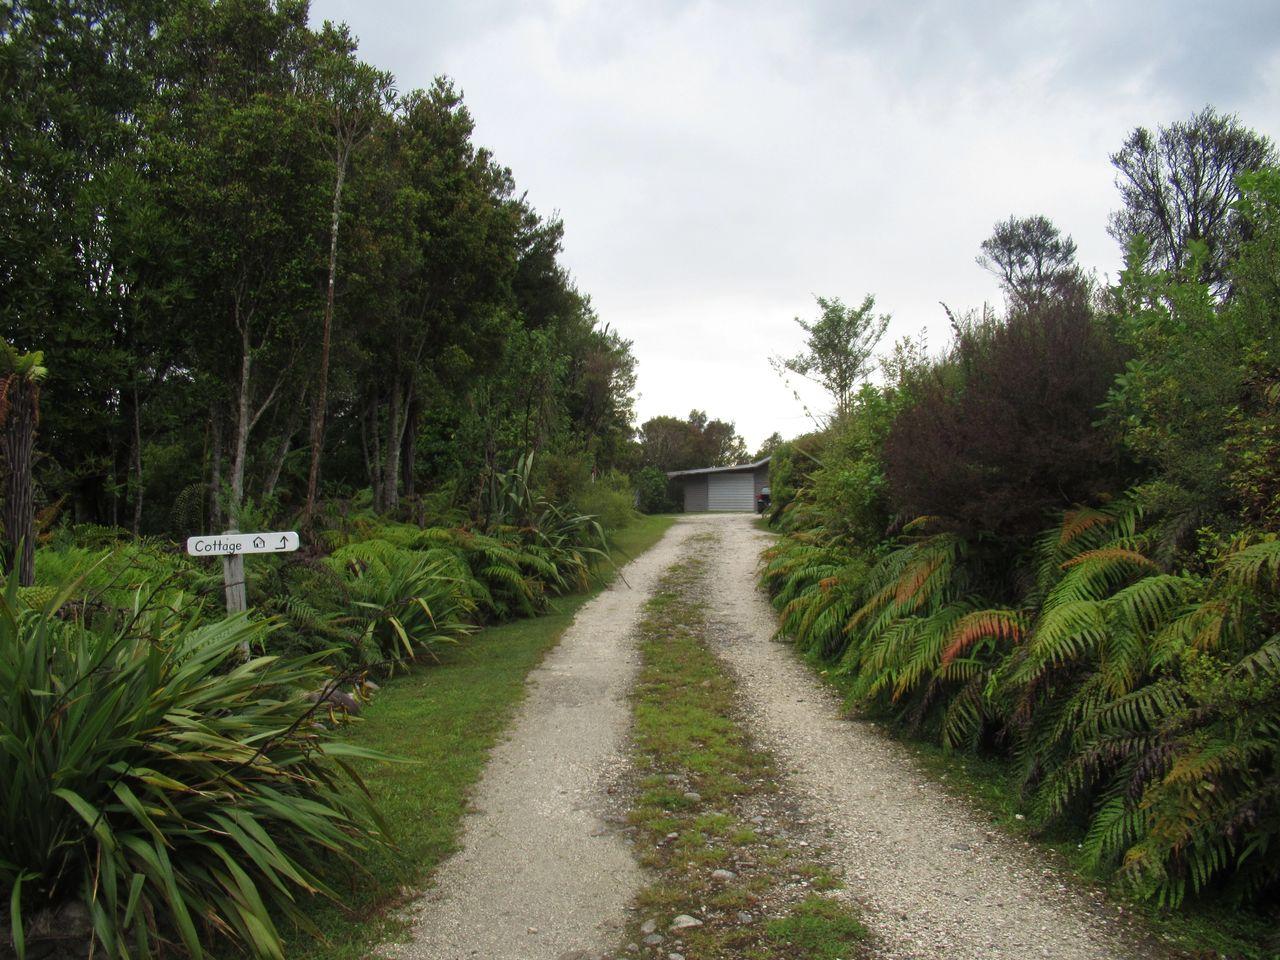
(544, 875)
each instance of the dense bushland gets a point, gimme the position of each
(1057, 541)
(262, 277)
(246, 283)
(171, 776)
(158, 785)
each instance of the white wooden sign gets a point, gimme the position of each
(233, 544)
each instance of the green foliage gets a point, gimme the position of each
(1141, 705)
(669, 443)
(818, 928)
(175, 176)
(610, 499)
(166, 784)
(839, 348)
(653, 491)
(404, 602)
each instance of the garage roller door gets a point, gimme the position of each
(731, 491)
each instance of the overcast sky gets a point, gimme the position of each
(719, 164)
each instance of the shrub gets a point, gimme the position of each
(1141, 706)
(653, 492)
(175, 791)
(610, 499)
(1002, 434)
(789, 471)
(404, 601)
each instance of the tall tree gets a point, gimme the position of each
(1030, 257)
(246, 185)
(1179, 187)
(76, 75)
(352, 96)
(20, 376)
(839, 347)
(670, 443)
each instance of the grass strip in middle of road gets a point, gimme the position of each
(712, 822)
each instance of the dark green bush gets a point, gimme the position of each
(177, 792)
(653, 492)
(610, 499)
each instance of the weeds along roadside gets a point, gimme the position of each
(731, 876)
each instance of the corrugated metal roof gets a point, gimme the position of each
(702, 470)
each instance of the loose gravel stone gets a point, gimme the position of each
(933, 878)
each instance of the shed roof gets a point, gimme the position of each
(705, 470)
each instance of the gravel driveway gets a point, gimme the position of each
(543, 875)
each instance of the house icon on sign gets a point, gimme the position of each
(258, 543)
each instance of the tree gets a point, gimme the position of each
(1030, 257)
(244, 180)
(76, 76)
(1003, 429)
(1179, 186)
(839, 348)
(771, 443)
(20, 376)
(670, 443)
(351, 96)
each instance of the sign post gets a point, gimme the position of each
(233, 583)
(232, 547)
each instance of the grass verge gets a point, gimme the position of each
(445, 717)
(710, 822)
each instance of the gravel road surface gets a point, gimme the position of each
(541, 874)
(935, 879)
(544, 875)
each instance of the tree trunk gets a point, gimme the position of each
(19, 504)
(136, 463)
(409, 446)
(322, 376)
(240, 439)
(391, 466)
(215, 468)
(282, 451)
(375, 451)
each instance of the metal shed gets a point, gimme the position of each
(723, 489)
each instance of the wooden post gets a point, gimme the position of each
(233, 581)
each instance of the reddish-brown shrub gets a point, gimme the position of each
(1002, 431)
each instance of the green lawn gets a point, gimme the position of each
(445, 717)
